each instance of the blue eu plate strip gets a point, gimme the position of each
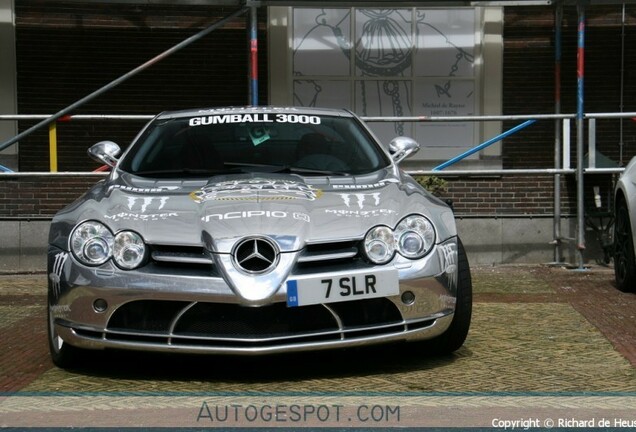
(292, 293)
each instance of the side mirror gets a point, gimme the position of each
(402, 147)
(105, 152)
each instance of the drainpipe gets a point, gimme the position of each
(580, 117)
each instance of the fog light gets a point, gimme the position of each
(408, 298)
(100, 305)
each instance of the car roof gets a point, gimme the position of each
(255, 110)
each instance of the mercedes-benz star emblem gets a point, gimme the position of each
(256, 255)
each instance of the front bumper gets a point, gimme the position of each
(104, 307)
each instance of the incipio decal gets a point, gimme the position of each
(263, 189)
(276, 214)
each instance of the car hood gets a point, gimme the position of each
(290, 209)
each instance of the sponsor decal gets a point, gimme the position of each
(141, 216)
(263, 189)
(143, 190)
(60, 311)
(362, 213)
(138, 207)
(56, 275)
(448, 259)
(145, 202)
(448, 301)
(254, 118)
(257, 213)
(359, 199)
(259, 135)
(379, 184)
(262, 109)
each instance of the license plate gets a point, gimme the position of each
(330, 289)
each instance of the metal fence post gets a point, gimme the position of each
(53, 147)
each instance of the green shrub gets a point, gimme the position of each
(434, 185)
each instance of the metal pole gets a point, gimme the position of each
(580, 117)
(253, 60)
(53, 147)
(621, 145)
(122, 78)
(558, 21)
(484, 145)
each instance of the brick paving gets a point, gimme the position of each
(535, 329)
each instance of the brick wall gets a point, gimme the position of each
(67, 50)
(39, 197)
(528, 85)
(508, 195)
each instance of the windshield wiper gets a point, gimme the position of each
(272, 168)
(183, 172)
(300, 170)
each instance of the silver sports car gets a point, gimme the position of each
(255, 230)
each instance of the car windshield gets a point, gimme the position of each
(200, 146)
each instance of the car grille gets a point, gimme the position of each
(180, 254)
(216, 325)
(195, 260)
(333, 251)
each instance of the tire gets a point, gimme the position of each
(453, 338)
(63, 355)
(624, 261)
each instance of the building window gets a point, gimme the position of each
(391, 63)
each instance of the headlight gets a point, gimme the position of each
(129, 250)
(415, 235)
(92, 243)
(413, 238)
(379, 244)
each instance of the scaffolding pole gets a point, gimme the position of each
(558, 22)
(580, 120)
(253, 58)
(123, 78)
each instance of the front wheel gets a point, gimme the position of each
(624, 262)
(453, 338)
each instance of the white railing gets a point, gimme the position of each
(562, 151)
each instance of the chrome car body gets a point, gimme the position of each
(251, 257)
(625, 229)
